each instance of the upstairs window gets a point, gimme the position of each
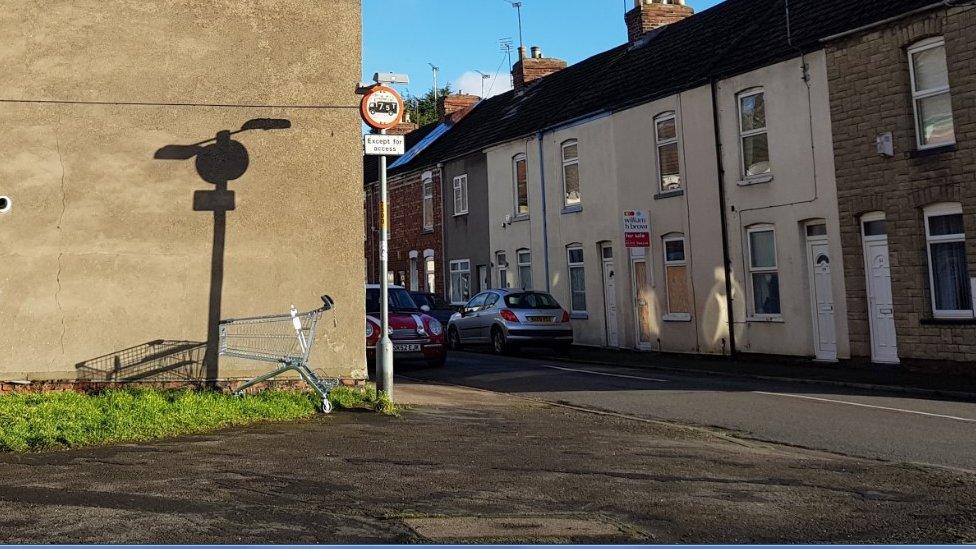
(521, 185)
(428, 202)
(752, 133)
(666, 137)
(930, 93)
(571, 175)
(948, 272)
(461, 195)
(764, 272)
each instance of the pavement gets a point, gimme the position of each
(860, 374)
(470, 465)
(869, 423)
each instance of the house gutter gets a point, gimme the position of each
(545, 216)
(943, 4)
(726, 255)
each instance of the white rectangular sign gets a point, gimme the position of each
(383, 145)
(637, 229)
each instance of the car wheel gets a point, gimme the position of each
(454, 339)
(498, 344)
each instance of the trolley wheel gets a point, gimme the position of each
(326, 406)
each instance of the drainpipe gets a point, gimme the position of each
(726, 255)
(545, 217)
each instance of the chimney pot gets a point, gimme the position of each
(536, 52)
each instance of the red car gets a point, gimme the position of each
(415, 334)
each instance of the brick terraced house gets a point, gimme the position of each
(416, 246)
(903, 106)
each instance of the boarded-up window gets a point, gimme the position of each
(676, 272)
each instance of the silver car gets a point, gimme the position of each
(509, 318)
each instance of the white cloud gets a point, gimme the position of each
(470, 82)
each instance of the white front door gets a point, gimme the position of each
(822, 297)
(610, 296)
(881, 311)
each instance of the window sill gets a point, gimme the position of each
(520, 217)
(669, 194)
(460, 214)
(677, 317)
(572, 209)
(426, 231)
(932, 151)
(579, 316)
(948, 322)
(766, 319)
(756, 180)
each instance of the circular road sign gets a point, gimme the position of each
(381, 107)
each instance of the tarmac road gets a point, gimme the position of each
(858, 422)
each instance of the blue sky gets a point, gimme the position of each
(461, 36)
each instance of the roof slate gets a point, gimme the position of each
(730, 38)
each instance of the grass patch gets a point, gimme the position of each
(359, 398)
(41, 421)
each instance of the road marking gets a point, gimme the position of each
(601, 373)
(916, 412)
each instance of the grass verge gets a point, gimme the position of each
(359, 398)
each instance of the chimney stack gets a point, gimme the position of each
(532, 68)
(452, 108)
(404, 127)
(648, 15)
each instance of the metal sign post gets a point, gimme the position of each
(381, 109)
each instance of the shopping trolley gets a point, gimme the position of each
(285, 340)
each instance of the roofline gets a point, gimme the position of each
(940, 4)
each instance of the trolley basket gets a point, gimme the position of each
(285, 340)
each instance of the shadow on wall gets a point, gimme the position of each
(218, 161)
(157, 360)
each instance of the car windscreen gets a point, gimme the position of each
(399, 302)
(421, 299)
(531, 300)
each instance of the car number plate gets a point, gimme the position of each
(405, 347)
(540, 319)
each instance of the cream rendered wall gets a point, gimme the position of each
(803, 188)
(695, 213)
(526, 232)
(598, 221)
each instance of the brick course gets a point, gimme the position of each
(870, 93)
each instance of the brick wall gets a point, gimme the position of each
(406, 228)
(870, 93)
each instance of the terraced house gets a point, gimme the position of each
(903, 109)
(716, 124)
